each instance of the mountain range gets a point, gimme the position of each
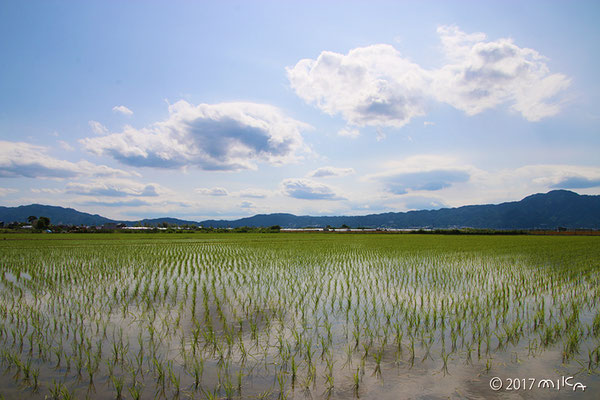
(557, 208)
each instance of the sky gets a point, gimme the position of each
(198, 109)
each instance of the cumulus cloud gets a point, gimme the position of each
(371, 85)
(226, 136)
(122, 110)
(98, 128)
(484, 74)
(308, 190)
(330, 171)
(378, 86)
(114, 188)
(216, 191)
(20, 159)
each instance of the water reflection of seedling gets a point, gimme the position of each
(281, 380)
(35, 373)
(26, 367)
(445, 356)
(412, 351)
(488, 365)
(135, 391)
(356, 381)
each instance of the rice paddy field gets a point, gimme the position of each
(298, 316)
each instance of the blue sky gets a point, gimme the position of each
(228, 109)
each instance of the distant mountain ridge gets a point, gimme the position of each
(557, 208)
(57, 215)
(70, 216)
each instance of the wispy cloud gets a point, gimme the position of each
(114, 188)
(47, 190)
(422, 203)
(349, 132)
(324, 172)
(98, 128)
(122, 110)
(123, 203)
(65, 146)
(216, 191)
(226, 137)
(427, 180)
(254, 193)
(307, 189)
(20, 159)
(6, 191)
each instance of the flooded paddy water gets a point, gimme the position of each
(299, 316)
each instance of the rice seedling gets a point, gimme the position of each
(118, 383)
(164, 313)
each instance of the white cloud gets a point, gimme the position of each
(226, 136)
(254, 193)
(422, 203)
(377, 86)
(371, 85)
(47, 190)
(216, 191)
(556, 176)
(457, 183)
(422, 173)
(65, 146)
(330, 171)
(510, 184)
(349, 132)
(427, 180)
(115, 188)
(307, 189)
(482, 75)
(98, 128)
(419, 163)
(122, 110)
(19, 159)
(122, 203)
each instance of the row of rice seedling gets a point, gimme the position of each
(288, 315)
